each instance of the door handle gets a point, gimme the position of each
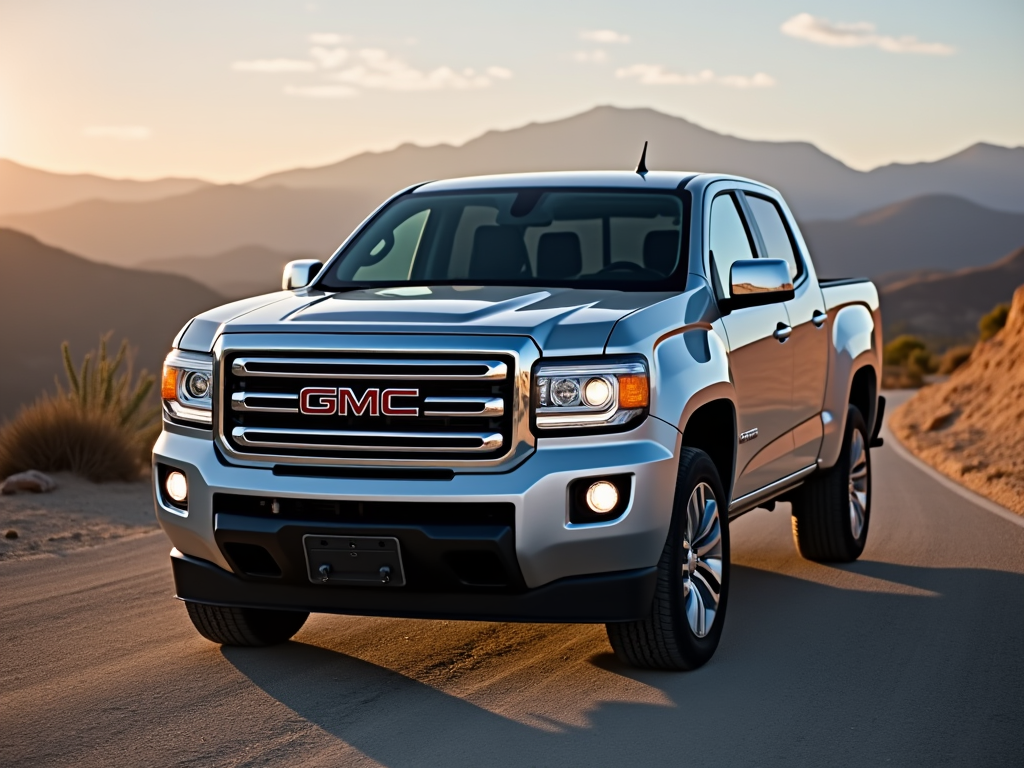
(818, 318)
(782, 332)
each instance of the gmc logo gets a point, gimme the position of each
(326, 401)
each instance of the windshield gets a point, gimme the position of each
(617, 240)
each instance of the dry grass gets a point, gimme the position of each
(99, 427)
(54, 435)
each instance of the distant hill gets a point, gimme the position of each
(946, 308)
(202, 223)
(48, 296)
(934, 232)
(250, 270)
(24, 189)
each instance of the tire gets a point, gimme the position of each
(831, 511)
(685, 623)
(244, 626)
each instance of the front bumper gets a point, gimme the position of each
(562, 572)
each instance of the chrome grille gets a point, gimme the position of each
(464, 406)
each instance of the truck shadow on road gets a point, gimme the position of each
(920, 666)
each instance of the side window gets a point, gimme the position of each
(729, 239)
(774, 233)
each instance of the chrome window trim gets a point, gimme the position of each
(521, 349)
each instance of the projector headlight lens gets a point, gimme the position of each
(177, 486)
(602, 497)
(187, 387)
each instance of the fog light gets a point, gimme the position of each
(177, 486)
(602, 497)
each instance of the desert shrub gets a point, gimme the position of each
(101, 425)
(899, 350)
(54, 434)
(993, 322)
(901, 377)
(953, 358)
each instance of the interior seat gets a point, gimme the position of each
(661, 250)
(499, 253)
(559, 256)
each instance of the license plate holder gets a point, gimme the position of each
(354, 560)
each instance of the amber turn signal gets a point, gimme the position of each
(169, 385)
(633, 391)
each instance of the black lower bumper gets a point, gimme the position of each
(599, 598)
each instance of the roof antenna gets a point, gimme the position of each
(641, 167)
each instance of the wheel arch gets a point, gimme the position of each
(711, 427)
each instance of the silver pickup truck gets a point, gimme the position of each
(536, 397)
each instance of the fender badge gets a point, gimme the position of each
(750, 434)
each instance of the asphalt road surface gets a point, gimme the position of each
(912, 656)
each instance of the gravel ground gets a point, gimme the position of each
(78, 514)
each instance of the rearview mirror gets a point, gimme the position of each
(299, 273)
(753, 282)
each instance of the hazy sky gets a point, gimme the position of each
(232, 89)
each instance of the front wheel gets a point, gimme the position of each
(831, 511)
(684, 626)
(244, 626)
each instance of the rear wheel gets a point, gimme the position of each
(244, 626)
(686, 618)
(831, 511)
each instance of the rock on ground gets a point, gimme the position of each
(32, 481)
(971, 427)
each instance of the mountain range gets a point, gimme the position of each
(250, 270)
(312, 210)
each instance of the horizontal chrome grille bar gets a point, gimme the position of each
(419, 442)
(485, 406)
(242, 401)
(354, 368)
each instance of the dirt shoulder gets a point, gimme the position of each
(971, 427)
(77, 514)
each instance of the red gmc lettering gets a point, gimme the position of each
(318, 401)
(370, 401)
(391, 410)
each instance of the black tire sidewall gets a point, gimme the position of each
(699, 468)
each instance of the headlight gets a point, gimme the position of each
(588, 395)
(187, 387)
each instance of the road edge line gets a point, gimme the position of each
(979, 500)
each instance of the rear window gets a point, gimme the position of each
(621, 240)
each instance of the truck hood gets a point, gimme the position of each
(560, 320)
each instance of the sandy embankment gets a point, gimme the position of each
(77, 514)
(971, 427)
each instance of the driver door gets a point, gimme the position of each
(760, 362)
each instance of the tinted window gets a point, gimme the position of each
(515, 237)
(729, 239)
(774, 232)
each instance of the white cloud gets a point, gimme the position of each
(656, 74)
(329, 38)
(595, 56)
(330, 58)
(274, 65)
(377, 69)
(604, 36)
(322, 91)
(121, 132)
(857, 35)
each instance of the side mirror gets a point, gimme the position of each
(753, 282)
(299, 273)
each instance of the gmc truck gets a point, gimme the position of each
(534, 397)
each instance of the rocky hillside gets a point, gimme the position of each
(971, 428)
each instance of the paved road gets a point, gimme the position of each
(912, 656)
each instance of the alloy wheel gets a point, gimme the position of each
(858, 484)
(702, 566)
